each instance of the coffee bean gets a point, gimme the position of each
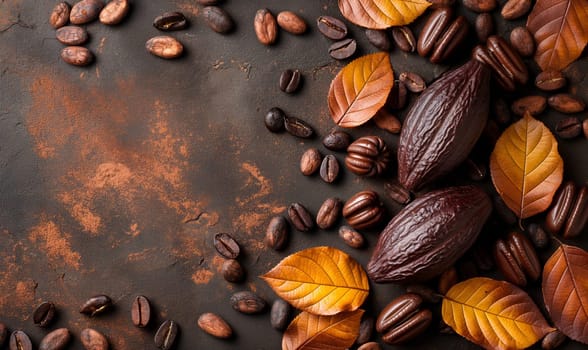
(425, 292)
(553, 340)
(508, 59)
(218, 19)
(585, 128)
(329, 170)
(96, 304)
(300, 217)
(291, 22)
(514, 9)
(522, 41)
(298, 127)
(77, 55)
(280, 314)
(71, 35)
(413, 82)
(397, 97)
(480, 5)
(560, 207)
(397, 192)
(404, 39)
(141, 311)
(501, 112)
(19, 340)
(164, 46)
(232, 271)
(114, 12)
(484, 26)
(387, 121)
(266, 28)
(274, 120)
(331, 27)
(566, 103)
(436, 25)
(226, 245)
(533, 104)
(165, 336)
(337, 140)
(366, 328)
(351, 237)
(290, 80)
(247, 302)
(55, 340)
(550, 80)
(329, 213)
(170, 21)
(310, 161)
(476, 170)
(379, 39)
(85, 11)
(93, 340)
(44, 314)
(568, 128)
(450, 40)
(3, 334)
(538, 236)
(370, 346)
(59, 15)
(276, 234)
(215, 325)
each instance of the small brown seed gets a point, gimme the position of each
(480, 5)
(141, 311)
(413, 82)
(343, 49)
(114, 12)
(226, 245)
(370, 346)
(218, 19)
(55, 340)
(379, 39)
(337, 140)
(164, 46)
(85, 11)
(366, 328)
(170, 21)
(298, 127)
(387, 121)
(215, 325)
(484, 26)
(71, 35)
(266, 28)
(363, 210)
(533, 104)
(514, 9)
(59, 15)
(560, 207)
(397, 192)
(538, 236)
(93, 340)
(351, 237)
(232, 271)
(566, 103)
(447, 280)
(517, 259)
(568, 128)
(290, 80)
(502, 76)
(310, 161)
(19, 340)
(44, 314)
(291, 22)
(247, 302)
(404, 38)
(77, 55)
(437, 23)
(451, 39)
(96, 304)
(508, 58)
(165, 336)
(522, 41)
(553, 340)
(329, 170)
(403, 319)
(329, 213)
(331, 27)
(300, 217)
(550, 80)
(280, 314)
(276, 234)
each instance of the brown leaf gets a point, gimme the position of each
(565, 291)
(560, 28)
(360, 89)
(313, 332)
(380, 14)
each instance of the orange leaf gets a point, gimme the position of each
(313, 332)
(565, 291)
(560, 28)
(380, 14)
(360, 89)
(320, 280)
(493, 314)
(526, 167)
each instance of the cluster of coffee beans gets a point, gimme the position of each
(335, 29)
(266, 25)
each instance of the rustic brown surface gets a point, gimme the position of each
(115, 177)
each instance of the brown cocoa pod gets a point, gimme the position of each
(367, 156)
(215, 325)
(456, 103)
(535, 105)
(514, 9)
(397, 192)
(504, 78)
(300, 217)
(509, 58)
(437, 23)
(351, 237)
(429, 235)
(578, 214)
(77, 55)
(484, 26)
(403, 319)
(522, 41)
(566, 103)
(550, 80)
(517, 259)
(553, 340)
(266, 27)
(310, 161)
(329, 213)
(404, 39)
(276, 234)
(480, 5)
(291, 22)
(363, 210)
(55, 340)
(59, 15)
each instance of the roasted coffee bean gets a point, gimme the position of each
(566, 103)
(425, 292)
(280, 314)
(533, 104)
(310, 161)
(290, 80)
(578, 214)
(218, 19)
(85, 11)
(363, 210)
(366, 328)
(96, 304)
(77, 55)
(247, 302)
(93, 340)
(164, 46)
(19, 340)
(329, 213)
(522, 41)
(226, 245)
(351, 237)
(298, 127)
(342, 49)
(291, 22)
(379, 39)
(329, 170)
(337, 140)
(370, 346)
(516, 258)
(404, 39)
(568, 128)
(265, 26)
(480, 5)
(44, 314)
(3, 334)
(59, 15)
(387, 121)
(538, 236)
(514, 9)
(274, 119)
(450, 40)
(413, 82)
(397, 192)
(550, 80)
(436, 24)
(367, 156)
(55, 340)
(232, 271)
(300, 217)
(447, 280)
(215, 325)
(508, 58)
(71, 35)
(502, 76)
(170, 21)
(114, 12)
(276, 234)
(501, 112)
(331, 27)
(484, 26)
(476, 170)
(141, 311)
(165, 336)
(553, 340)
(403, 319)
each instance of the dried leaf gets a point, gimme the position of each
(560, 28)
(493, 314)
(320, 280)
(380, 14)
(314, 332)
(565, 291)
(360, 89)
(526, 167)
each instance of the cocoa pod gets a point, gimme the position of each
(429, 235)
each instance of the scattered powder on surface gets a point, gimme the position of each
(202, 276)
(56, 244)
(134, 230)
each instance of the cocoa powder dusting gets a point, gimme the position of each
(48, 237)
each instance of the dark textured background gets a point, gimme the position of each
(115, 177)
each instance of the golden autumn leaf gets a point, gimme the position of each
(565, 291)
(493, 314)
(320, 280)
(526, 167)
(560, 28)
(380, 14)
(360, 89)
(315, 332)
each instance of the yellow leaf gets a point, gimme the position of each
(360, 89)
(314, 332)
(380, 14)
(493, 314)
(320, 280)
(526, 167)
